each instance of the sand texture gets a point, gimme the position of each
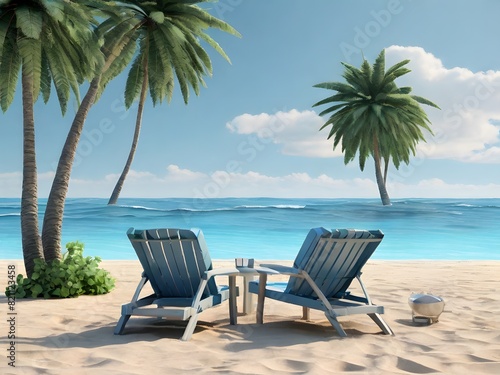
(76, 335)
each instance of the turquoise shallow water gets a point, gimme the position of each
(274, 228)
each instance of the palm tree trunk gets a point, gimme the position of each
(386, 168)
(138, 122)
(54, 212)
(384, 196)
(32, 246)
(53, 219)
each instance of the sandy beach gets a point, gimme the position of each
(76, 335)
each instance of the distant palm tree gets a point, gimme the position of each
(51, 42)
(375, 117)
(169, 35)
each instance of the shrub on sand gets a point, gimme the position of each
(72, 276)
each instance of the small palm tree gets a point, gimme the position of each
(168, 34)
(375, 117)
(51, 42)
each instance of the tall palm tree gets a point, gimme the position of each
(168, 46)
(118, 34)
(375, 117)
(51, 43)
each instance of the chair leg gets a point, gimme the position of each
(381, 323)
(261, 298)
(233, 308)
(120, 326)
(306, 313)
(335, 323)
(188, 332)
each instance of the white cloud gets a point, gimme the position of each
(178, 182)
(465, 129)
(296, 131)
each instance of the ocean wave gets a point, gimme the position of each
(142, 208)
(279, 206)
(11, 214)
(181, 209)
(468, 205)
(215, 209)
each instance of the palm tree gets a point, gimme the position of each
(51, 43)
(168, 46)
(118, 32)
(375, 117)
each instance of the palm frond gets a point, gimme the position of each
(396, 66)
(425, 101)
(337, 86)
(45, 79)
(29, 21)
(215, 46)
(378, 73)
(9, 72)
(158, 63)
(7, 27)
(404, 90)
(205, 17)
(357, 79)
(134, 80)
(30, 52)
(61, 76)
(55, 9)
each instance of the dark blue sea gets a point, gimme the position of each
(274, 228)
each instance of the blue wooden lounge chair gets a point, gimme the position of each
(177, 264)
(324, 268)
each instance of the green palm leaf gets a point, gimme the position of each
(45, 78)
(424, 101)
(378, 74)
(29, 21)
(59, 74)
(55, 9)
(30, 51)
(134, 81)
(127, 46)
(9, 70)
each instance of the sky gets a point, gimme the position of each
(253, 131)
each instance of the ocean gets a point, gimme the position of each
(274, 228)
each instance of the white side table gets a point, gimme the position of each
(248, 271)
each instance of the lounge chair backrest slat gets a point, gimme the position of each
(174, 260)
(161, 267)
(151, 267)
(333, 260)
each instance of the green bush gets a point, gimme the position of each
(72, 276)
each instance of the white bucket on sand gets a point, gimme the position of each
(426, 308)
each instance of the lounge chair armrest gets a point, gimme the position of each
(262, 269)
(282, 269)
(229, 271)
(237, 271)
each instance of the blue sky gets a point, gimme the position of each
(253, 131)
